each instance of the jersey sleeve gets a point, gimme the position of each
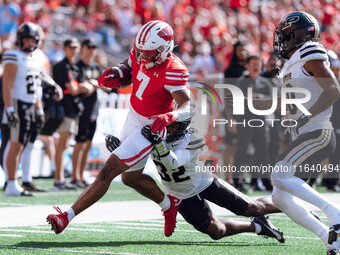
(313, 51)
(10, 57)
(197, 141)
(176, 77)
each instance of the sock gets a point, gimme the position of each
(258, 228)
(26, 162)
(165, 204)
(70, 214)
(294, 210)
(13, 188)
(302, 190)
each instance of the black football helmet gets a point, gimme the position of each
(181, 130)
(28, 30)
(294, 30)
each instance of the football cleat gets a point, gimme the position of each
(170, 216)
(30, 186)
(58, 221)
(334, 239)
(268, 229)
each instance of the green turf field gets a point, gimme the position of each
(138, 236)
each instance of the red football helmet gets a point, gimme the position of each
(154, 43)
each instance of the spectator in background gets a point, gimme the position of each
(331, 179)
(55, 53)
(203, 60)
(9, 16)
(234, 71)
(247, 135)
(66, 74)
(270, 78)
(88, 73)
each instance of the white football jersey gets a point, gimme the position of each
(28, 76)
(294, 75)
(185, 178)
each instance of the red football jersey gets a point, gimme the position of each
(152, 88)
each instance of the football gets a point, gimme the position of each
(124, 73)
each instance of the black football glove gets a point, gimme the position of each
(153, 138)
(112, 142)
(39, 121)
(12, 117)
(301, 121)
(50, 91)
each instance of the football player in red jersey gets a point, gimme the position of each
(158, 78)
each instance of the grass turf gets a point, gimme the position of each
(140, 237)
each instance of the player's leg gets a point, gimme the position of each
(145, 185)
(130, 153)
(298, 213)
(18, 137)
(66, 128)
(88, 144)
(196, 211)
(310, 149)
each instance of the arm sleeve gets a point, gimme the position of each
(176, 158)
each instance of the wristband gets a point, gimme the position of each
(162, 149)
(39, 112)
(10, 109)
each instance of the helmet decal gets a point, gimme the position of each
(166, 34)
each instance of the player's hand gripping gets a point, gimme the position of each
(112, 142)
(12, 117)
(108, 80)
(161, 121)
(155, 139)
(301, 121)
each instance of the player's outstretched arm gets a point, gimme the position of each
(327, 81)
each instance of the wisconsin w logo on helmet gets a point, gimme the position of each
(154, 44)
(166, 34)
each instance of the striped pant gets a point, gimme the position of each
(307, 151)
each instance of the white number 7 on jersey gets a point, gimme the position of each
(144, 82)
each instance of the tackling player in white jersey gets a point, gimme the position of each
(177, 162)
(296, 40)
(22, 77)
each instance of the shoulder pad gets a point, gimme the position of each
(197, 141)
(313, 50)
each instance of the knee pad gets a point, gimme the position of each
(281, 172)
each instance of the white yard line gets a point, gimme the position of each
(9, 235)
(65, 250)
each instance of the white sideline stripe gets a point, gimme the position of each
(26, 231)
(65, 250)
(80, 229)
(8, 235)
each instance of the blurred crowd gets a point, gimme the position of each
(205, 30)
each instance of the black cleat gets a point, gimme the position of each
(268, 229)
(30, 186)
(334, 239)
